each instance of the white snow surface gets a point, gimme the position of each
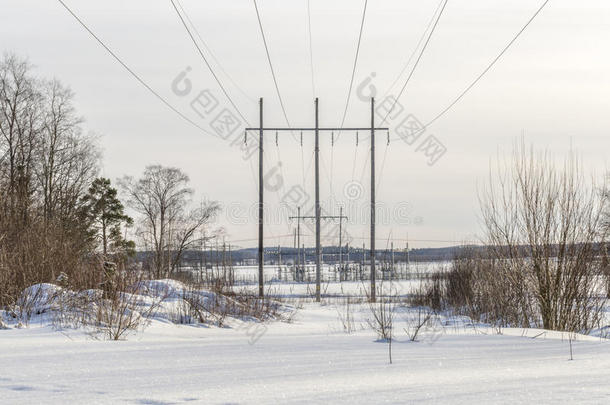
(310, 360)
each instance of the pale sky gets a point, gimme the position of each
(553, 85)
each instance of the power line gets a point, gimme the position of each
(419, 42)
(475, 81)
(351, 83)
(266, 237)
(277, 89)
(135, 75)
(279, 159)
(309, 166)
(349, 91)
(420, 240)
(421, 53)
(325, 168)
(206, 62)
(361, 238)
(366, 164)
(313, 83)
(438, 17)
(211, 53)
(385, 155)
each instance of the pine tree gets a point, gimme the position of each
(106, 214)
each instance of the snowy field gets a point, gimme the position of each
(311, 359)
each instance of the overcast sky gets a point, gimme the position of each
(553, 85)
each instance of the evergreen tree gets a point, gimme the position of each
(106, 214)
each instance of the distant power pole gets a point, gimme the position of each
(299, 235)
(295, 258)
(231, 269)
(304, 260)
(217, 255)
(279, 262)
(392, 269)
(204, 264)
(362, 261)
(224, 260)
(347, 261)
(340, 240)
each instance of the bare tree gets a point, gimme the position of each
(604, 248)
(162, 197)
(383, 313)
(543, 228)
(45, 164)
(20, 109)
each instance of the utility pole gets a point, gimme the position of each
(231, 270)
(373, 298)
(392, 269)
(347, 261)
(260, 203)
(299, 238)
(318, 210)
(217, 259)
(407, 264)
(224, 260)
(340, 240)
(362, 262)
(210, 275)
(304, 261)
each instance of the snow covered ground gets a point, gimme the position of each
(310, 360)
